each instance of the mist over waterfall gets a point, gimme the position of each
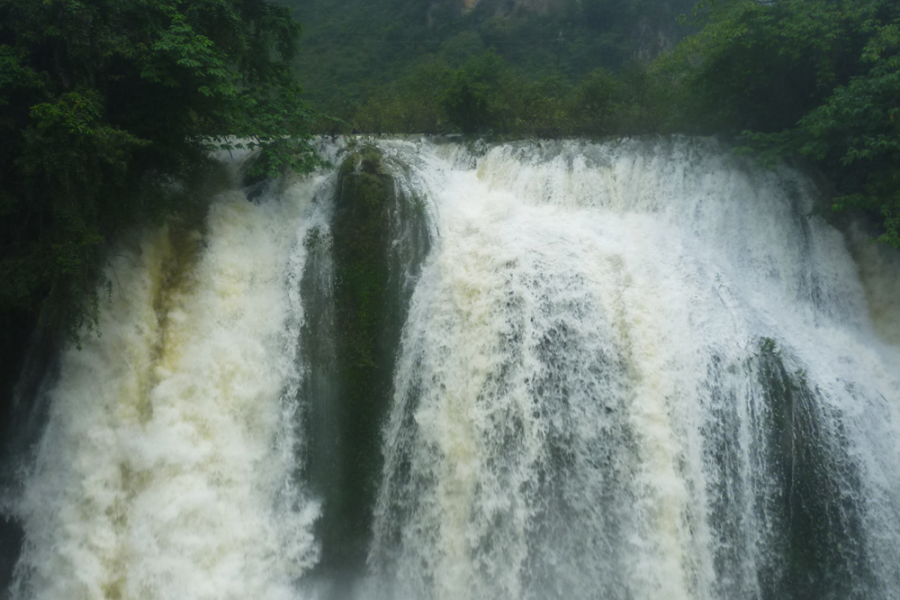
(456, 371)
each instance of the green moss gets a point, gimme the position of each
(357, 284)
(361, 231)
(363, 354)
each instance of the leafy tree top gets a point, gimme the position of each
(104, 103)
(812, 78)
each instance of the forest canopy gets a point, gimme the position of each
(107, 107)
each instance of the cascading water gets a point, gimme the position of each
(637, 371)
(633, 370)
(165, 467)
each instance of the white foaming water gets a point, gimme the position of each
(636, 370)
(586, 383)
(166, 468)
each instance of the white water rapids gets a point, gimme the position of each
(633, 370)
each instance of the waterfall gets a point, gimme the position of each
(165, 467)
(628, 370)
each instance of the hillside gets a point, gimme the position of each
(350, 47)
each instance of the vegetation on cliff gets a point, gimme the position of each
(107, 108)
(484, 95)
(817, 79)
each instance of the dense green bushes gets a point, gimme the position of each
(104, 105)
(817, 79)
(484, 95)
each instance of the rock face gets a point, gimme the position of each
(356, 290)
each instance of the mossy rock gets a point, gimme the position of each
(364, 350)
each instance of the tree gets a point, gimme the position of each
(104, 104)
(470, 100)
(857, 132)
(813, 78)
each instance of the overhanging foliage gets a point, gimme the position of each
(813, 78)
(104, 104)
